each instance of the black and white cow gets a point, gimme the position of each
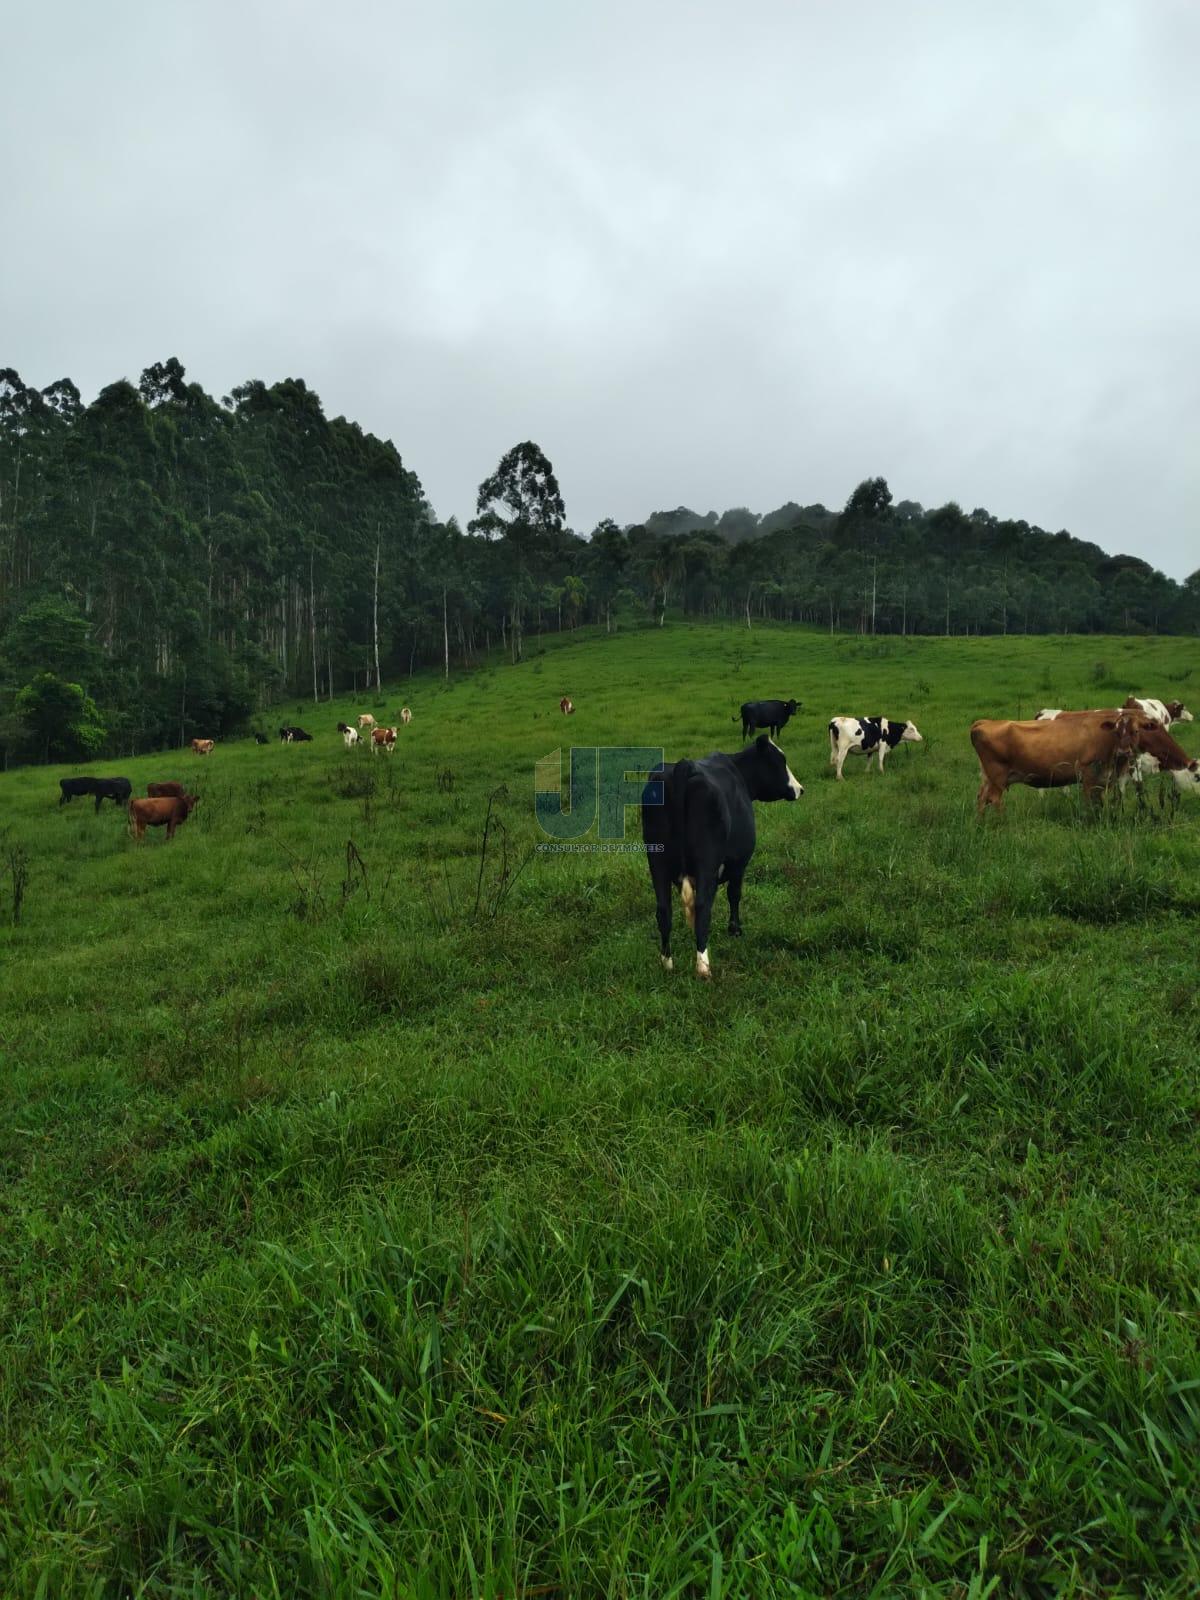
(866, 735)
(698, 829)
(770, 714)
(291, 735)
(117, 790)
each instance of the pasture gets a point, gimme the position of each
(384, 1222)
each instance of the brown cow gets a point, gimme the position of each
(168, 812)
(166, 791)
(383, 739)
(203, 747)
(1092, 748)
(366, 720)
(565, 706)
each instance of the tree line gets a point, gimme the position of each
(171, 563)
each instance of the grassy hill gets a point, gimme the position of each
(378, 1225)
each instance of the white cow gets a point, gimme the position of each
(866, 735)
(350, 737)
(405, 716)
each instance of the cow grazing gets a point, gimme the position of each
(1091, 748)
(203, 747)
(260, 738)
(117, 790)
(167, 812)
(405, 715)
(865, 736)
(366, 720)
(291, 735)
(1143, 764)
(698, 829)
(166, 791)
(68, 788)
(383, 739)
(565, 706)
(349, 735)
(770, 714)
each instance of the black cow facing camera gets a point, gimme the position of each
(698, 829)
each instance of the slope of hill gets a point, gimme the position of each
(381, 1221)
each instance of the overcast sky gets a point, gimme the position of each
(704, 254)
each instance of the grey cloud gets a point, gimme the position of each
(701, 256)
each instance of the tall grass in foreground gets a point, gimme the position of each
(379, 1226)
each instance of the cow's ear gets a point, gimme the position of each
(763, 740)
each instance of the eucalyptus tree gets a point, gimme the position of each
(520, 503)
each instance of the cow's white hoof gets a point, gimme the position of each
(668, 963)
(703, 969)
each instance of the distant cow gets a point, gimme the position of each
(366, 720)
(383, 739)
(405, 715)
(166, 791)
(290, 735)
(702, 833)
(565, 706)
(866, 735)
(349, 735)
(167, 812)
(1091, 748)
(117, 790)
(770, 714)
(260, 738)
(1163, 711)
(203, 747)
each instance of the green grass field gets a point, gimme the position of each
(370, 1231)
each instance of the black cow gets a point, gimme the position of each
(260, 738)
(698, 828)
(117, 790)
(770, 714)
(294, 736)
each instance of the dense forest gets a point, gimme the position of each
(171, 563)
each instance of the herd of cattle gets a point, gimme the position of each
(698, 816)
(168, 804)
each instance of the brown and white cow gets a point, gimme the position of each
(405, 715)
(1092, 748)
(366, 720)
(203, 747)
(168, 811)
(383, 739)
(1164, 711)
(565, 706)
